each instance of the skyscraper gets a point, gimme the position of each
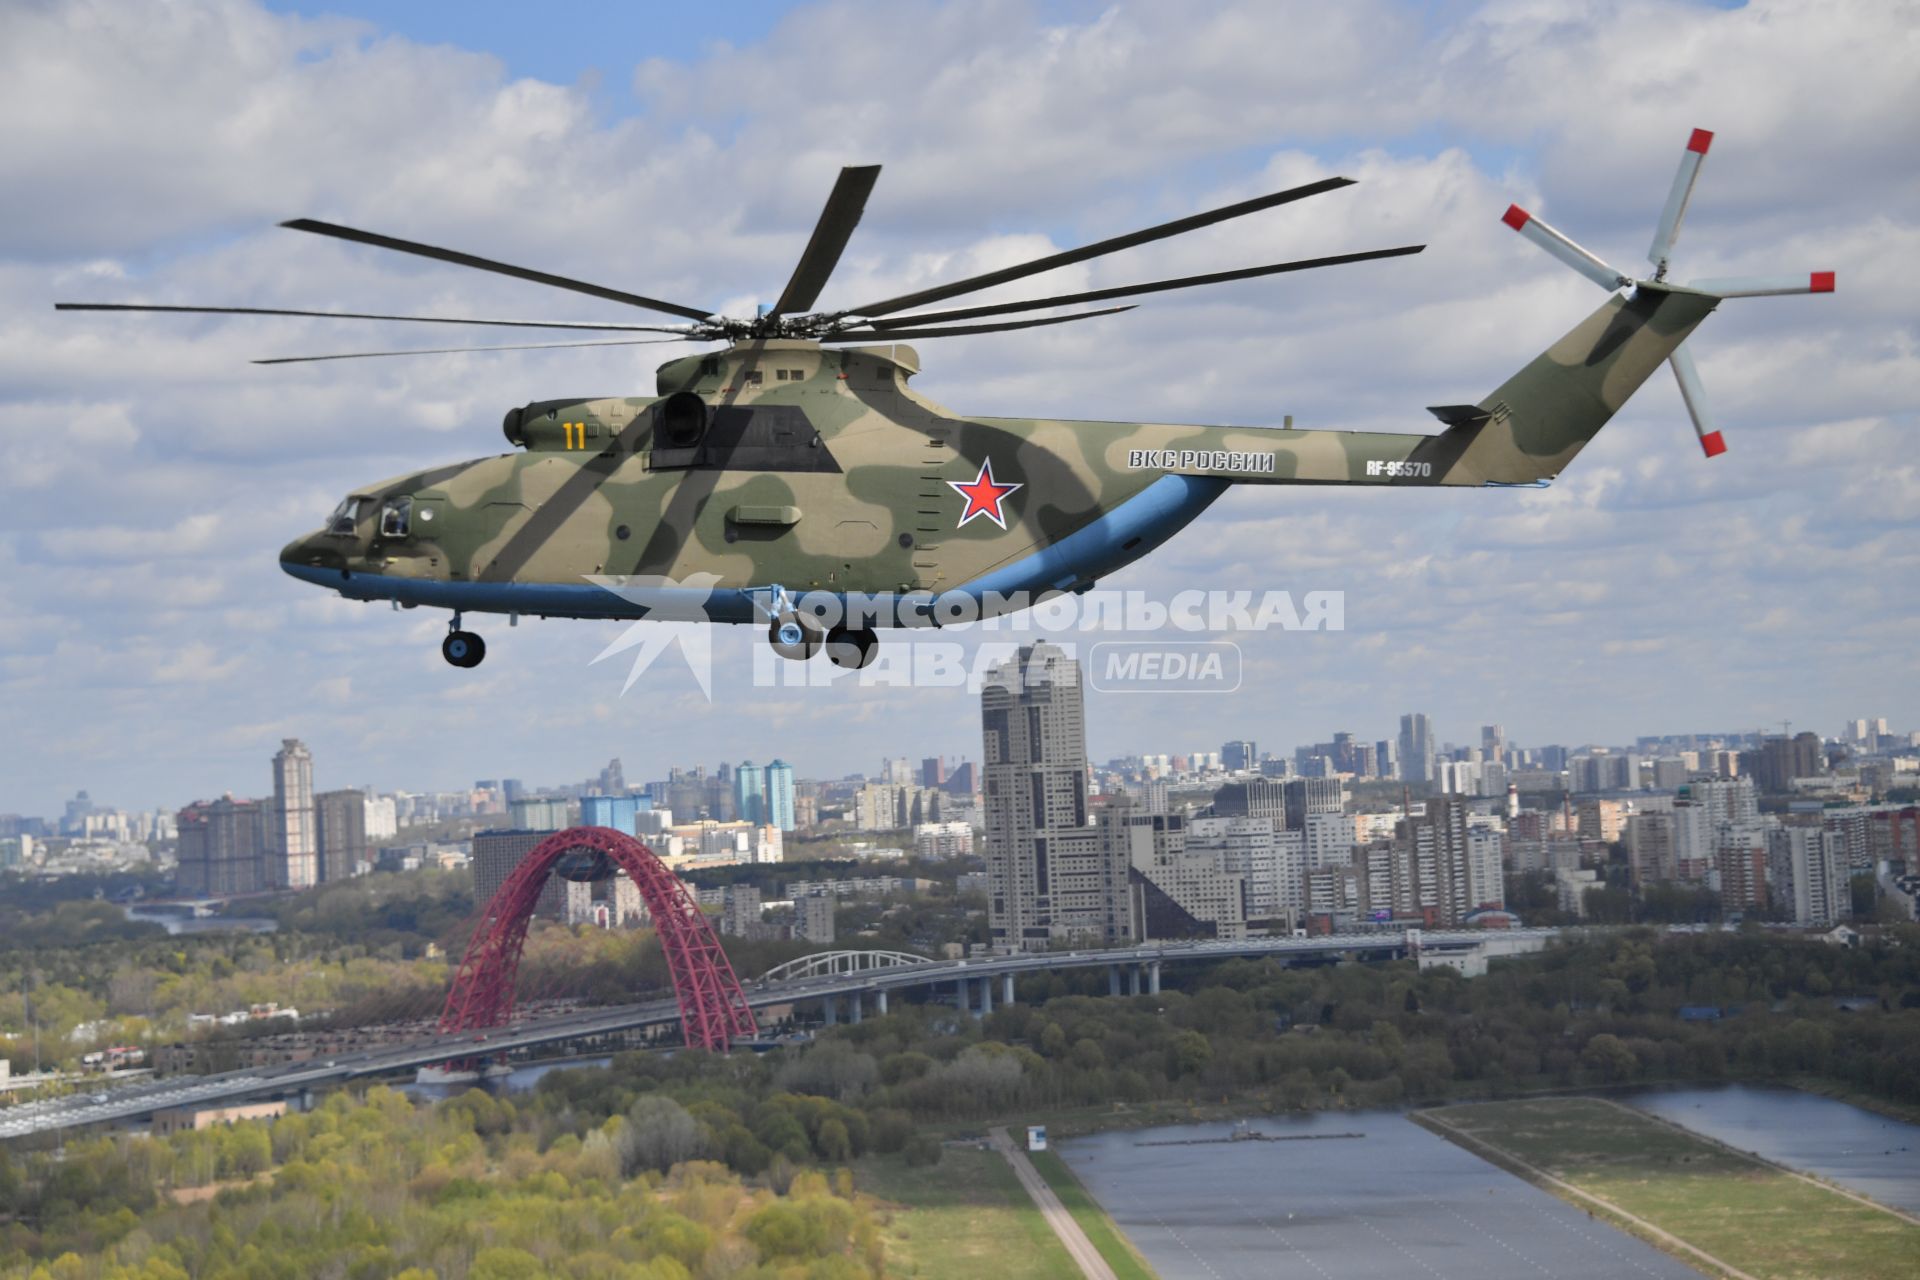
(293, 856)
(340, 834)
(1807, 865)
(497, 853)
(222, 848)
(1416, 747)
(1239, 756)
(1045, 873)
(779, 802)
(750, 793)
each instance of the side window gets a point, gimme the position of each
(396, 518)
(754, 377)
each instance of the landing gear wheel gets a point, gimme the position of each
(795, 636)
(463, 648)
(852, 649)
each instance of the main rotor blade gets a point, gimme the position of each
(837, 221)
(488, 264)
(895, 335)
(362, 315)
(973, 284)
(448, 351)
(1133, 290)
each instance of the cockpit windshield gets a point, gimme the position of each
(344, 516)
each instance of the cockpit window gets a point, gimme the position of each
(342, 520)
(396, 518)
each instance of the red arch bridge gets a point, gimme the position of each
(713, 1009)
(969, 983)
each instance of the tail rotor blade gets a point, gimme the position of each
(1586, 262)
(1766, 286)
(1694, 392)
(1676, 211)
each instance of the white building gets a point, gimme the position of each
(942, 839)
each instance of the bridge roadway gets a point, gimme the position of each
(133, 1102)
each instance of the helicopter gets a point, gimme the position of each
(795, 478)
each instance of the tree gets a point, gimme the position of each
(658, 1134)
(1609, 1056)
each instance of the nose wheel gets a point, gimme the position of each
(462, 648)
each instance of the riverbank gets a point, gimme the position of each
(963, 1218)
(1074, 1122)
(1697, 1198)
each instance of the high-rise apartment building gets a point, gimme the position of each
(495, 856)
(223, 848)
(1807, 865)
(1239, 756)
(1271, 861)
(813, 918)
(1437, 872)
(1416, 747)
(1308, 797)
(1047, 878)
(616, 813)
(293, 856)
(1150, 852)
(538, 813)
(1253, 798)
(750, 793)
(340, 834)
(779, 803)
(1653, 847)
(1493, 742)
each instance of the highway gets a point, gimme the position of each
(134, 1102)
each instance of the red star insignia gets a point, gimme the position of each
(984, 495)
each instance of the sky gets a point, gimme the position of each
(152, 652)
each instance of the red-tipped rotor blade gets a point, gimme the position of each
(1766, 286)
(1676, 211)
(1694, 393)
(1585, 261)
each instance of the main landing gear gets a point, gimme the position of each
(462, 648)
(797, 636)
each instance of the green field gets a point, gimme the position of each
(1093, 1220)
(1748, 1214)
(966, 1217)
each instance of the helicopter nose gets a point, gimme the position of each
(312, 559)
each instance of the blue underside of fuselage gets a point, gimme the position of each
(1075, 562)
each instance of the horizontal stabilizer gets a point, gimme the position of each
(1459, 415)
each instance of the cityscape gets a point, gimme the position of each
(1490, 862)
(1795, 829)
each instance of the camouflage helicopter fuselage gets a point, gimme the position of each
(783, 467)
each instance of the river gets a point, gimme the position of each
(1845, 1144)
(1396, 1201)
(519, 1080)
(177, 922)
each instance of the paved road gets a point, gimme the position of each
(1092, 1265)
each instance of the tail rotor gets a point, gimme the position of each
(1609, 277)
